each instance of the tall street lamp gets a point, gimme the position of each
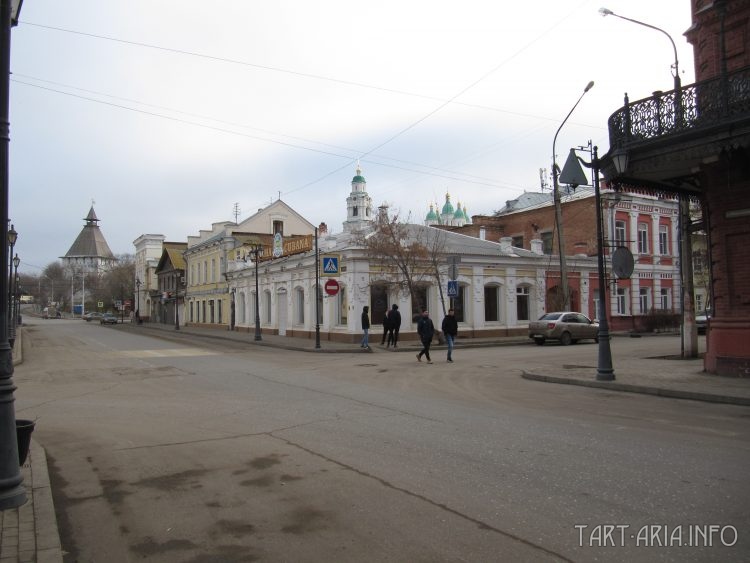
(317, 292)
(604, 369)
(138, 301)
(12, 239)
(13, 293)
(257, 250)
(232, 306)
(12, 492)
(558, 207)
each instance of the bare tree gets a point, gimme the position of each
(407, 256)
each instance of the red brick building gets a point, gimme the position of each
(695, 141)
(645, 223)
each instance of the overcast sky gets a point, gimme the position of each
(168, 112)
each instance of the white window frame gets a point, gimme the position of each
(621, 294)
(663, 240)
(621, 233)
(665, 299)
(523, 292)
(642, 238)
(644, 295)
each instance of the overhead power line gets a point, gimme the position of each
(455, 177)
(293, 72)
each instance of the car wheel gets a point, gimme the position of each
(539, 341)
(566, 339)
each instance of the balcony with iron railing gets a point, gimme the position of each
(715, 104)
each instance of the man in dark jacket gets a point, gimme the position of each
(426, 331)
(386, 326)
(365, 327)
(394, 324)
(450, 330)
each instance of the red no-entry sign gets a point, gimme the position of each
(331, 287)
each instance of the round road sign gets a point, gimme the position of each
(331, 287)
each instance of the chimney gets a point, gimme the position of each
(506, 244)
(536, 246)
(482, 233)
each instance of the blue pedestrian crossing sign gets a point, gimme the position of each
(330, 265)
(452, 288)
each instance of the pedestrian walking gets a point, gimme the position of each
(365, 327)
(386, 326)
(450, 330)
(426, 331)
(394, 323)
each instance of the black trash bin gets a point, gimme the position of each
(24, 428)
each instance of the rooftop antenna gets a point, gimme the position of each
(236, 212)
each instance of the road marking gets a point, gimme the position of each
(166, 353)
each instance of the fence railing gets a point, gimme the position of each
(697, 106)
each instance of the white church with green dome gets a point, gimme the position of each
(448, 216)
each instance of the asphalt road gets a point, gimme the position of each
(191, 450)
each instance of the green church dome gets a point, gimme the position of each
(431, 216)
(448, 207)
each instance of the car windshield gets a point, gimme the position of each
(550, 317)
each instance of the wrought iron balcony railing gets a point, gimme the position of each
(698, 106)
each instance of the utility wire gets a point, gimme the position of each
(255, 137)
(234, 124)
(291, 72)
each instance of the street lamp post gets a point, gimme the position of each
(12, 492)
(317, 292)
(232, 305)
(604, 369)
(257, 250)
(558, 207)
(12, 239)
(13, 296)
(137, 300)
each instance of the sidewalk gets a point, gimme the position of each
(29, 533)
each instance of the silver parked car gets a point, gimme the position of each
(567, 326)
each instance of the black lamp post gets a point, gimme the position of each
(12, 492)
(317, 292)
(12, 239)
(232, 314)
(604, 369)
(176, 303)
(138, 301)
(558, 208)
(13, 297)
(257, 250)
